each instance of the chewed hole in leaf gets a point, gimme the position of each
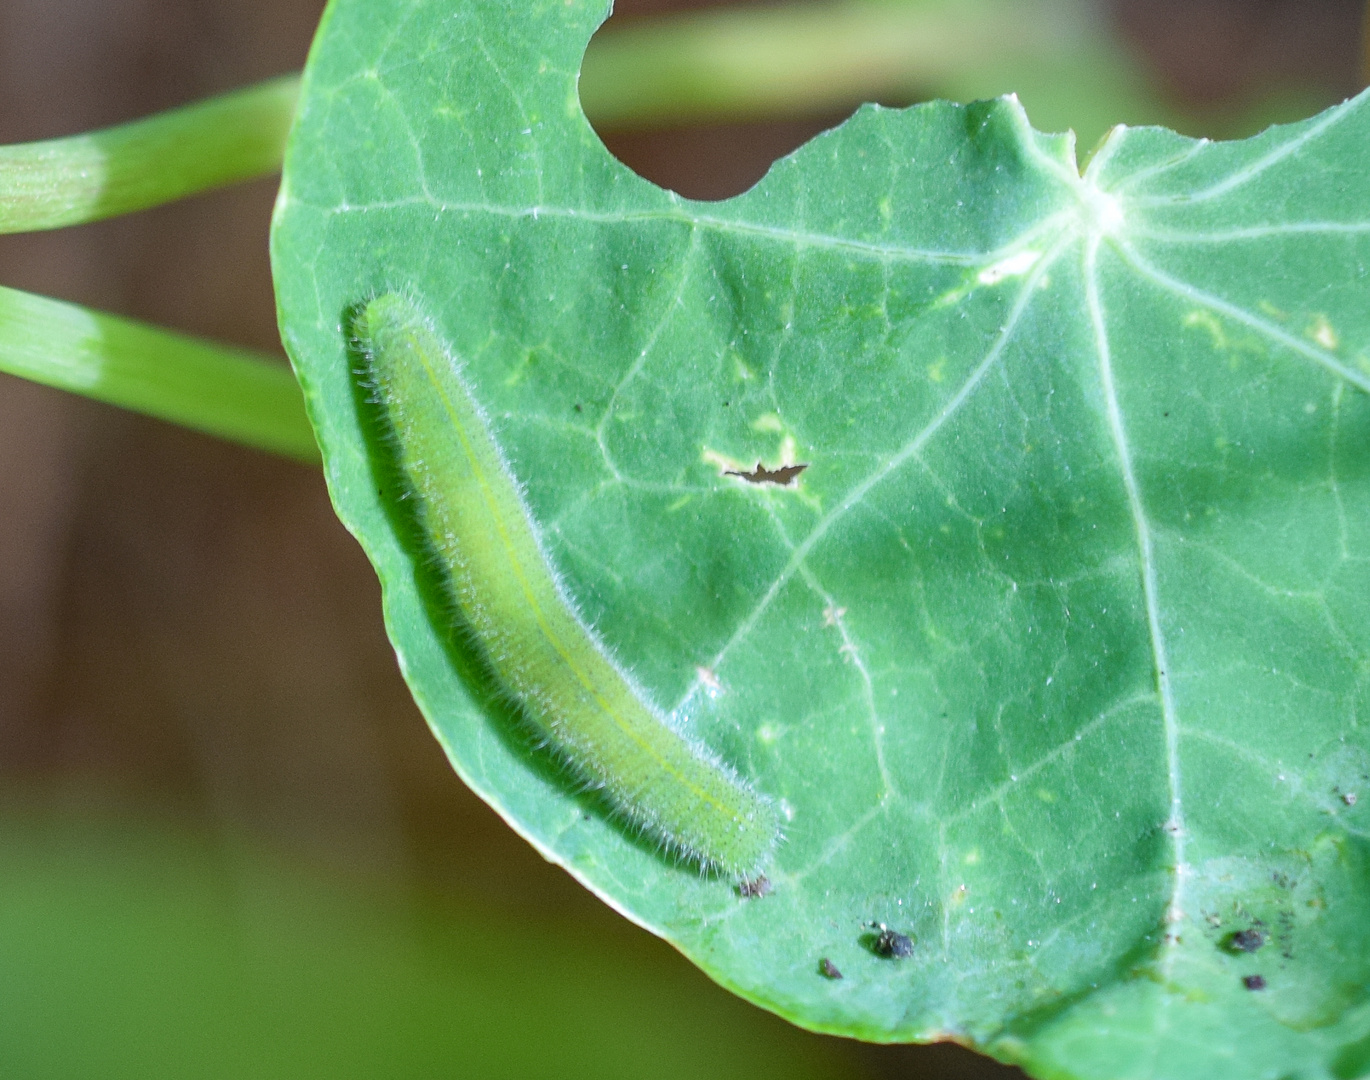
(679, 138)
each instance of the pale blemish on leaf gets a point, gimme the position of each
(1015, 265)
(1222, 341)
(1321, 331)
(1206, 320)
(741, 371)
(722, 462)
(709, 681)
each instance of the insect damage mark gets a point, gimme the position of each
(785, 471)
(783, 476)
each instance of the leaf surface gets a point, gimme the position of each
(1054, 655)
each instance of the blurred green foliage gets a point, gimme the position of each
(1065, 59)
(132, 949)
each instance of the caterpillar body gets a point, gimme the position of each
(524, 625)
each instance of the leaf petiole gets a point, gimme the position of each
(225, 140)
(233, 393)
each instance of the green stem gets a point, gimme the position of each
(802, 57)
(227, 139)
(232, 393)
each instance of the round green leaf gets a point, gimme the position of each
(1053, 657)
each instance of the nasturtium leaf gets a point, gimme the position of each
(1055, 655)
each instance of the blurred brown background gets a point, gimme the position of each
(186, 630)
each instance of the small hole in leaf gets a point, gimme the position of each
(783, 476)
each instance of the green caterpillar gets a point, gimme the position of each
(536, 645)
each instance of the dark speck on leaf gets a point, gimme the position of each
(577, 408)
(1244, 940)
(1254, 982)
(828, 969)
(755, 889)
